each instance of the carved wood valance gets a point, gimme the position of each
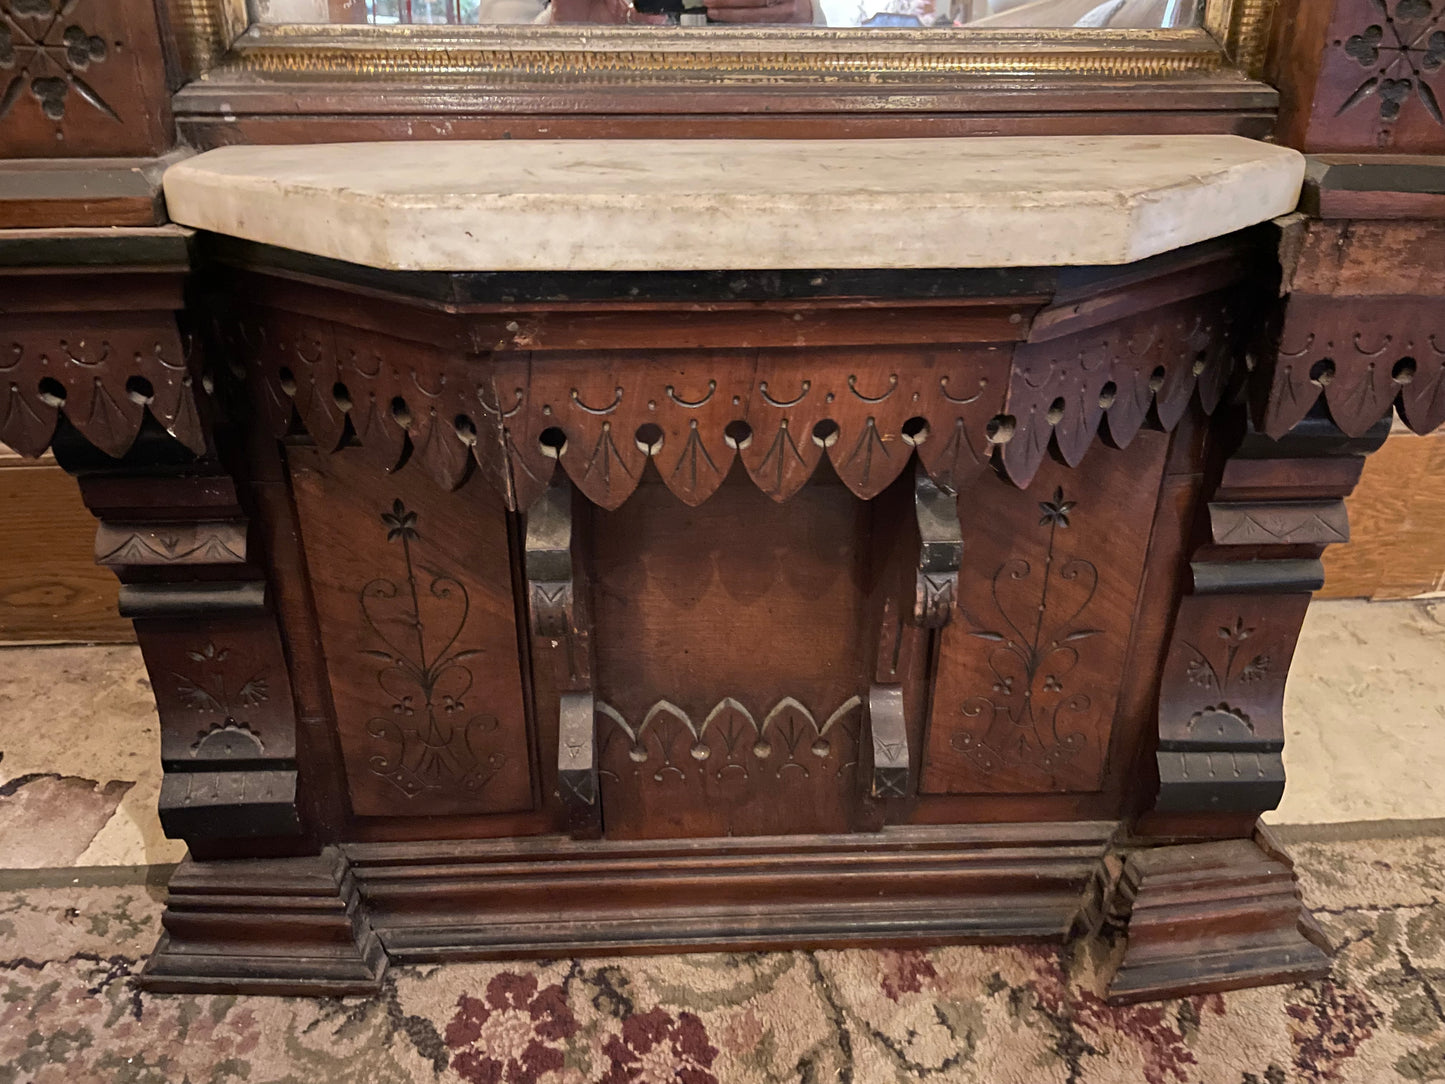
(604, 415)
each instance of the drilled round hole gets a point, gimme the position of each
(466, 429)
(52, 391)
(915, 431)
(1322, 372)
(288, 380)
(341, 396)
(140, 390)
(1156, 378)
(399, 412)
(1107, 394)
(1056, 411)
(1000, 429)
(825, 433)
(552, 441)
(1404, 371)
(648, 438)
(738, 435)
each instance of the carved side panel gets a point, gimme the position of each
(1029, 670)
(413, 590)
(732, 670)
(1381, 79)
(81, 77)
(221, 687)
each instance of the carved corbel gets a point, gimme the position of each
(556, 603)
(179, 545)
(1278, 504)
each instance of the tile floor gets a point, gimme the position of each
(80, 768)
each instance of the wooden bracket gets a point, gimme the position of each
(557, 609)
(294, 926)
(890, 741)
(940, 551)
(887, 721)
(1221, 699)
(180, 546)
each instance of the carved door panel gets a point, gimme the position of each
(414, 594)
(1030, 668)
(730, 647)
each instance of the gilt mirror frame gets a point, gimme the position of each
(216, 38)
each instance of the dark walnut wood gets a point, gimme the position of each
(1205, 917)
(563, 613)
(84, 78)
(1360, 75)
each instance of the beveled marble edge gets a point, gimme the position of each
(683, 205)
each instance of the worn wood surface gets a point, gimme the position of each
(1397, 524)
(51, 589)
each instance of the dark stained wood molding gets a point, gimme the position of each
(1162, 326)
(1208, 917)
(282, 926)
(901, 886)
(230, 107)
(51, 193)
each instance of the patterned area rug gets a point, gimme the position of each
(69, 1012)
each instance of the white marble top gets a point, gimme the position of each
(613, 205)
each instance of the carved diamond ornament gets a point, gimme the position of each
(45, 51)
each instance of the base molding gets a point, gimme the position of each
(900, 886)
(1216, 916)
(266, 926)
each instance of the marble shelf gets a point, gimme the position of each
(680, 205)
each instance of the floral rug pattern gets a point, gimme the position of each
(999, 1015)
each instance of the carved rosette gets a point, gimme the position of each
(693, 413)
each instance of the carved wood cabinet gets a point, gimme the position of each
(506, 612)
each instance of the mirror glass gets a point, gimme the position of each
(888, 14)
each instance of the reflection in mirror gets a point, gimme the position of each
(1016, 14)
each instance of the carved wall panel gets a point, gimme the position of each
(413, 590)
(1381, 81)
(733, 659)
(179, 544)
(1029, 670)
(104, 372)
(81, 77)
